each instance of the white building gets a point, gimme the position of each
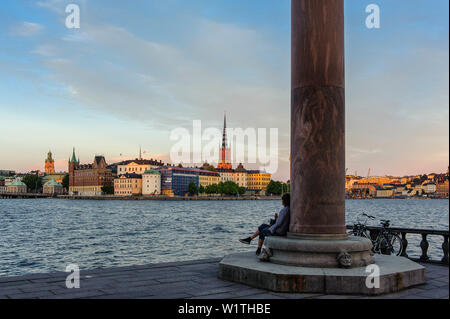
(137, 166)
(429, 188)
(151, 182)
(226, 175)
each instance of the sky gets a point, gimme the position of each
(134, 72)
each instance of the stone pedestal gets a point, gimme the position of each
(348, 253)
(396, 273)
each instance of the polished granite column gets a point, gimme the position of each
(318, 120)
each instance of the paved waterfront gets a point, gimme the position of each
(191, 279)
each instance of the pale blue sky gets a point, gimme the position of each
(133, 72)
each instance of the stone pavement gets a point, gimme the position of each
(181, 280)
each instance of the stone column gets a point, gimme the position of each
(318, 120)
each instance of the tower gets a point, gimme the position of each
(73, 164)
(225, 157)
(49, 164)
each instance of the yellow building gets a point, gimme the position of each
(49, 164)
(207, 178)
(258, 181)
(240, 176)
(128, 185)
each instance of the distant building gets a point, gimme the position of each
(224, 151)
(129, 184)
(226, 175)
(88, 179)
(429, 188)
(137, 166)
(175, 180)
(240, 176)
(17, 187)
(385, 192)
(207, 178)
(151, 182)
(258, 181)
(52, 187)
(365, 188)
(442, 186)
(49, 164)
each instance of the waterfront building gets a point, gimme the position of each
(49, 164)
(175, 180)
(364, 188)
(442, 187)
(384, 192)
(429, 188)
(224, 151)
(3, 187)
(207, 178)
(52, 187)
(56, 176)
(137, 166)
(258, 181)
(240, 176)
(226, 175)
(129, 184)
(151, 182)
(17, 187)
(88, 179)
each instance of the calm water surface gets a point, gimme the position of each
(43, 235)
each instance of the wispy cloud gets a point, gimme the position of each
(26, 29)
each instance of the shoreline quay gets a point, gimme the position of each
(168, 198)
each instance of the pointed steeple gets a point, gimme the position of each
(74, 158)
(140, 152)
(224, 137)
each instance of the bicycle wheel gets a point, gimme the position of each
(396, 245)
(391, 244)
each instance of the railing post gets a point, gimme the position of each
(445, 250)
(424, 246)
(404, 245)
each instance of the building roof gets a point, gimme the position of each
(142, 162)
(151, 172)
(52, 182)
(17, 182)
(130, 175)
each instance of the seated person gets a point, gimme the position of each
(278, 227)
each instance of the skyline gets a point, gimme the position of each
(218, 56)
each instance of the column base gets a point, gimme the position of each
(396, 273)
(320, 251)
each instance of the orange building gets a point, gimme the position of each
(49, 164)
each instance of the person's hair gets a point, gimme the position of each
(286, 199)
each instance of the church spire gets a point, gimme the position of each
(74, 158)
(224, 137)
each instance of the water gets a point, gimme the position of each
(45, 235)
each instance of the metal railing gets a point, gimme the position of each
(424, 244)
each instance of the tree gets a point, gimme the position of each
(192, 189)
(242, 190)
(201, 189)
(211, 168)
(274, 188)
(65, 181)
(108, 190)
(230, 188)
(33, 182)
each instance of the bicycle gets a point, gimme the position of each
(387, 242)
